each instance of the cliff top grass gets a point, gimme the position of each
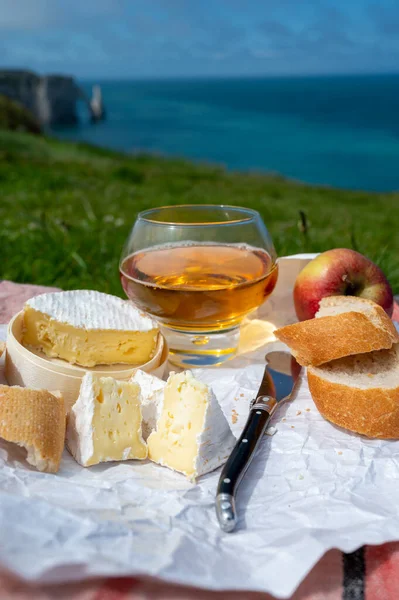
(66, 209)
(14, 117)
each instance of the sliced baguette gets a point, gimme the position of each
(345, 325)
(360, 393)
(35, 420)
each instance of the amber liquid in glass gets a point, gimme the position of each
(199, 286)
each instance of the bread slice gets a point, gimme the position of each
(360, 393)
(36, 420)
(344, 325)
(336, 305)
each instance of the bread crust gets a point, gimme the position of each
(34, 419)
(321, 340)
(373, 412)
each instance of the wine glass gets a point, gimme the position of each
(199, 270)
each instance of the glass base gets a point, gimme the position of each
(201, 349)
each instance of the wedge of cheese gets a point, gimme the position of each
(89, 328)
(192, 435)
(152, 390)
(105, 422)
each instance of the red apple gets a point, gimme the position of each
(340, 272)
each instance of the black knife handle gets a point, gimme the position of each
(240, 459)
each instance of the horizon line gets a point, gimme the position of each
(236, 76)
(203, 76)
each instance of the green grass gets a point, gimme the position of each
(66, 209)
(14, 117)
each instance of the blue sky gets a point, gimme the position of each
(153, 38)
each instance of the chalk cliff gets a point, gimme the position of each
(52, 98)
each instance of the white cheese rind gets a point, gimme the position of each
(216, 440)
(79, 434)
(152, 390)
(92, 310)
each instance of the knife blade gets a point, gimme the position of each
(278, 382)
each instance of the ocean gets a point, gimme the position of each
(340, 131)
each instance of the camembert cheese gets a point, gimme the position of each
(105, 422)
(152, 390)
(192, 435)
(89, 328)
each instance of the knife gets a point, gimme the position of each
(279, 378)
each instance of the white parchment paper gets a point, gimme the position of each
(310, 488)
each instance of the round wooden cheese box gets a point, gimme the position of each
(31, 368)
